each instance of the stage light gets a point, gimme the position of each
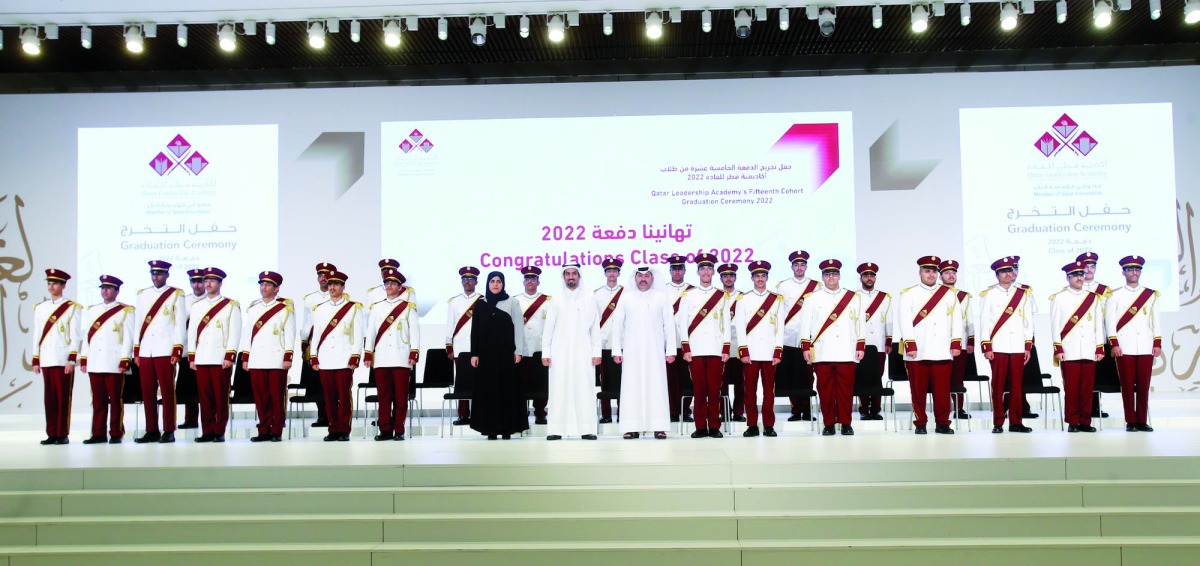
(785, 19)
(443, 29)
(556, 29)
(1155, 9)
(227, 37)
(316, 35)
(964, 14)
(523, 29)
(741, 23)
(391, 33)
(85, 37)
(1060, 10)
(355, 31)
(181, 35)
(478, 31)
(1191, 11)
(1102, 13)
(1008, 16)
(608, 23)
(31, 43)
(134, 38)
(706, 21)
(919, 17)
(654, 25)
(877, 16)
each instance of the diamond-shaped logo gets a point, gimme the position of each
(1047, 144)
(426, 146)
(1085, 143)
(416, 136)
(196, 163)
(1065, 126)
(161, 164)
(179, 146)
(406, 146)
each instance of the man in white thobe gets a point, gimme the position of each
(571, 349)
(643, 343)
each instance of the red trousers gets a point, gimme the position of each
(1134, 372)
(835, 389)
(107, 405)
(1079, 376)
(871, 405)
(392, 385)
(57, 395)
(212, 381)
(750, 372)
(158, 373)
(1007, 368)
(924, 376)
(677, 374)
(338, 405)
(706, 381)
(270, 390)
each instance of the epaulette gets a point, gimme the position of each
(451, 299)
(984, 292)
(1024, 286)
(598, 289)
(129, 308)
(1155, 293)
(314, 307)
(287, 302)
(807, 295)
(906, 289)
(255, 302)
(778, 296)
(377, 302)
(1053, 295)
(179, 292)
(233, 302)
(95, 305)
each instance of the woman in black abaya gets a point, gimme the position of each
(497, 328)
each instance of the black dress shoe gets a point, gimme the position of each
(1103, 415)
(167, 438)
(492, 437)
(320, 424)
(539, 420)
(114, 440)
(795, 418)
(506, 436)
(943, 429)
(1029, 415)
(877, 417)
(463, 421)
(750, 431)
(148, 437)
(260, 438)
(715, 433)
(276, 438)
(1131, 428)
(344, 437)
(386, 435)
(205, 438)
(769, 431)
(1087, 428)
(920, 429)
(738, 419)
(1019, 428)
(675, 419)
(188, 425)
(96, 440)
(700, 433)
(588, 437)
(398, 437)
(963, 415)
(554, 437)
(1072, 428)
(1143, 427)
(331, 437)
(219, 438)
(997, 429)
(827, 431)
(62, 440)
(606, 420)
(847, 430)
(688, 419)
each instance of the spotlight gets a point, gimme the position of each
(1155, 9)
(355, 31)
(227, 37)
(181, 35)
(478, 31)
(964, 13)
(391, 33)
(270, 33)
(556, 29)
(654, 25)
(785, 19)
(877, 16)
(133, 38)
(30, 42)
(608, 23)
(316, 35)
(706, 21)
(1191, 11)
(741, 23)
(1102, 13)
(1060, 10)
(85, 37)
(524, 26)
(825, 21)
(919, 18)
(1008, 16)
(443, 29)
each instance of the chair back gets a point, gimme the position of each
(1032, 376)
(971, 371)
(439, 370)
(1107, 380)
(131, 391)
(895, 365)
(538, 386)
(243, 386)
(866, 372)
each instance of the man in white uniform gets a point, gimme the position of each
(393, 348)
(831, 336)
(877, 329)
(608, 298)
(533, 312)
(644, 343)
(703, 322)
(268, 341)
(794, 290)
(161, 321)
(930, 331)
(1135, 334)
(104, 355)
(1006, 337)
(213, 342)
(677, 371)
(733, 374)
(571, 349)
(336, 351)
(55, 334)
(1078, 344)
(758, 322)
(459, 312)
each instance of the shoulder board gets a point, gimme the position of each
(598, 289)
(289, 307)
(377, 302)
(451, 299)
(905, 290)
(140, 291)
(410, 288)
(1108, 293)
(233, 302)
(314, 307)
(1052, 296)
(255, 302)
(886, 295)
(547, 296)
(1024, 286)
(1155, 293)
(357, 305)
(95, 305)
(984, 292)
(807, 295)
(128, 308)
(779, 284)
(373, 288)
(287, 302)
(179, 292)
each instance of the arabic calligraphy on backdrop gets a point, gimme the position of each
(1181, 354)
(16, 266)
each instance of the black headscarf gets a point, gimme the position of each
(493, 298)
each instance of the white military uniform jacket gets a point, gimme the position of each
(304, 322)
(344, 342)
(1015, 336)
(936, 333)
(401, 338)
(843, 338)
(675, 295)
(1102, 292)
(537, 322)
(460, 304)
(218, 341)
(112, 341)
(765, 341)
(964, 309)
(168, 328)
(711, 337)
(378, 293)
(1085, 338)
(60, 346)
(794, 290)
(1142, 333)
(276, 338)
(877, 330)
(732, 298)
(604, 296)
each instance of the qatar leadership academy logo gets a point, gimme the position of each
(179, 155)
(1066, 133)
(416, 140)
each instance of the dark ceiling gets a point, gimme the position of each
(684, 51)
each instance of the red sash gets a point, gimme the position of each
(609, 308)
(837, 312)
(874, 306)
(1079, 313)
(930, 304)
(157, 306)
(387, 322)
(333, 322)
(533, 307)
(465, 318)
(704, 310)
(54, 316)
(1134, 308)
(795, 310)
(675, 307)
(211, 313)
(262, 320)
(1009, 310)
(761, 312)
(100, 320)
